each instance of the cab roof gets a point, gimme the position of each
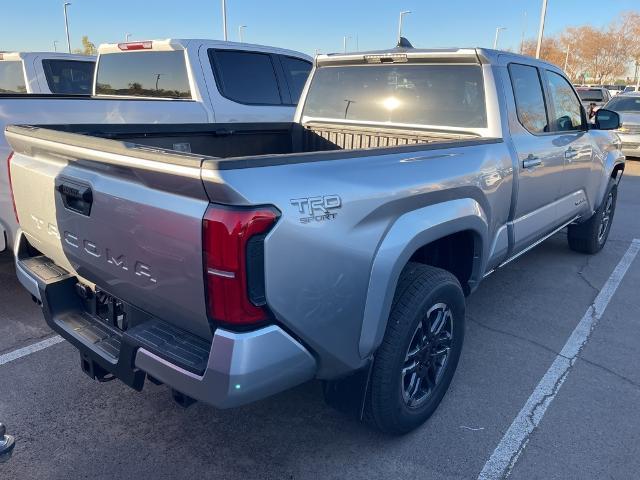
(15, 56)
(168, 44)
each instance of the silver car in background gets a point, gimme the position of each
(628, 106)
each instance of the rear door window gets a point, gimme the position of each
(296, 71)
(12, 77)
(246, 77)
(527, 92)
(161, 74)
(70, 77)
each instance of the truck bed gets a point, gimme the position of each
(234, 140)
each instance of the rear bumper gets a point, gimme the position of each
(630, 144)
(231, 370)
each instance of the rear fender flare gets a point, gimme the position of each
(410, 232)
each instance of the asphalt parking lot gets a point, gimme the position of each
(68, 426)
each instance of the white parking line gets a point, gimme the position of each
(28, 350)
(514, 441)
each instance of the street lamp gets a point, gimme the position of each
(402, 14)
(240, 27)
(55, 45)
(66, 25)
(344, 42)
(495, 40)
(224, 20)
(543, 16)
(127, 36)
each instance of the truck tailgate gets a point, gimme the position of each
(124, 218)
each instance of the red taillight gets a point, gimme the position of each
(226, 233)
(136, 46)
(13, 199)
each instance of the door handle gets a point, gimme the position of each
(570, 153)
(531, 161)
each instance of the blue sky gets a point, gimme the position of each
(303, 25)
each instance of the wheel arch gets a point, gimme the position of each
(410, 239)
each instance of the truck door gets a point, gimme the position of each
(569, 122)
(540, 162)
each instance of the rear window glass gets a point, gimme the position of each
(624, 104)
(297, 72)
(12, 77)
(246, 77)
(143, 74)
(591, 95)
(439, 95)
(69, 77)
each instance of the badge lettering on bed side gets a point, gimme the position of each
(317, 209)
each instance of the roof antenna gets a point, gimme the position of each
(404, 43)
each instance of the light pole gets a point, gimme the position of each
(66, 25)
(344, 43)
(543, 16)
(127, 36)
(495, 40)
(402, 14)
(240, 27)
(524, 31)
(55, 45)
(224, 20)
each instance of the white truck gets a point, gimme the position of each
(164, 81)
(46, 73)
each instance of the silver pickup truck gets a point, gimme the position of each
(231, 262)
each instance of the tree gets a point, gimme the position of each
(599, 55)
(88, 48)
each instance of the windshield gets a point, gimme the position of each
(591, 95)
(438, 95)
(624, 104)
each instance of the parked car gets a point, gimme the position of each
(165, 81)
(593, 98)
(627, 105)
(615, 89)
(46, 73)
(630, 88)
(339, 247)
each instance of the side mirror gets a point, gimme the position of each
(607, 120)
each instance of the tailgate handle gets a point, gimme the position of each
(76, 196)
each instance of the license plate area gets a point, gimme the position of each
(104, 307)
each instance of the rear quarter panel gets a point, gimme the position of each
(318, 273)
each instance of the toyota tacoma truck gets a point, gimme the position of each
(155, 81)
(340, 246)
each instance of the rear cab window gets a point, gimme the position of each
(246, 77)
(297, 71)
(410, 94)
(12, 79)
(70, 77)
(259, 78)
(591, 95)
(156, 74)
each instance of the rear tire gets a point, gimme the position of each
(419, 354)
(590, 236)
